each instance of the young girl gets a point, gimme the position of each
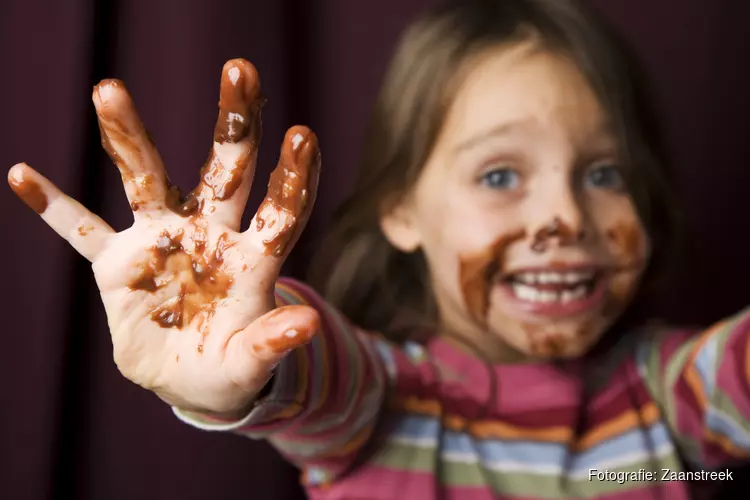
(513, 201)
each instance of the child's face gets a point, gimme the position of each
(533, 242)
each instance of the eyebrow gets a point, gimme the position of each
(604, 132)
(496, 131)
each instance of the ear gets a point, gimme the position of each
(399, 229)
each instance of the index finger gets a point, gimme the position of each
(291, 194)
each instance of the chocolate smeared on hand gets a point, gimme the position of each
(196, 281)
(289, 188)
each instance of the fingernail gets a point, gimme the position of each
(29, 191)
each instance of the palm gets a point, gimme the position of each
(189, 298)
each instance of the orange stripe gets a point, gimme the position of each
(726, 444)
(304, 377)
(356, 442)
(289, 412)
(323, 369)
(484, 429)
(281, 301)
(496, 429)
(412, 404)
(648, 414)
(690, 375)
(481, 429)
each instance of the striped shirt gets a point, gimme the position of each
(366, 419)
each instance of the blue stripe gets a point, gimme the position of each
(417, 427)
(720, 423)
(384, 350)
(705, 362)
(285, 296)
(533, 453)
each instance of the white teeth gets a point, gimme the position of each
(529, 278)
(532, 294)
(576, 277)
(572, 277)
(574, 294)
(548, 296)
(550, 278)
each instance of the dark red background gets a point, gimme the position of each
(70, 424)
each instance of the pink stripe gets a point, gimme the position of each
(732, 372)
(374, 483)
(673, 490)
(378, 483)
(689, 419)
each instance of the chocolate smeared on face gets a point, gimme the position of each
(627, 243)
(199, 289)
(627, 239)
(555, 229)
(289, 187)
(30, 193)
(477, 273)
(545, 344)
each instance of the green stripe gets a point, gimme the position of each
(721, 337)
(725, 404)
(409, 458)
(672, 373)
(286, 296)
(653, 369)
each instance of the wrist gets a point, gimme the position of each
(238, 414)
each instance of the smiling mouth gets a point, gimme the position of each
(552, 286)
(555, 292)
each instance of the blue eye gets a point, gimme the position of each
(501, 178)
(605, 177)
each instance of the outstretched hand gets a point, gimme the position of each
(189, 298)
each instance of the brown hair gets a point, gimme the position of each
(378, 286)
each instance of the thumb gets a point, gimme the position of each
(253, 352)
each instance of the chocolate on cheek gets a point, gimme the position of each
(627, 239)
(627, 243)
(30, 193)
(478, 271)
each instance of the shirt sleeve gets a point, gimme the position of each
(325, 397)
(701, 381)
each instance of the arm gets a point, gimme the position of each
(325, 397)
(702, 385)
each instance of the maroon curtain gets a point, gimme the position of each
(70, 425)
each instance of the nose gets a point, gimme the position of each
(558, 219)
